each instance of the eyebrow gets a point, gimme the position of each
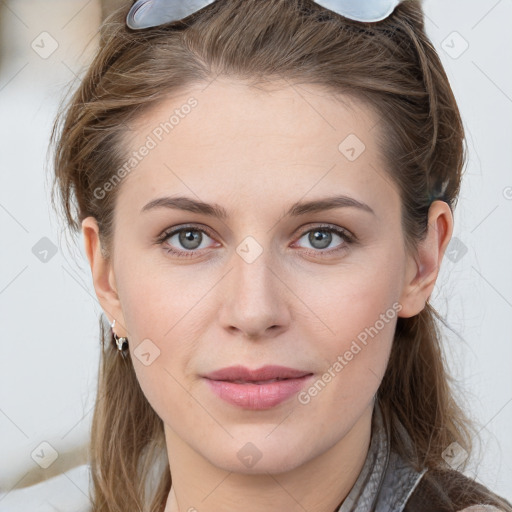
(215, 210)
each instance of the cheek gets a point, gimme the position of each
(354, 357)
(354, 297)
(161, 310)
(358, 308)
(157, 300)
(160, 324)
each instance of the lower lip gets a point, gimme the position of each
(257, 396)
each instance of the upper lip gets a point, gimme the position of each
(241, 373)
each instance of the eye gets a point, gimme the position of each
(322, 237)
(184, 241)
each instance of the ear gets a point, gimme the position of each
(422, 268)
(103, 276)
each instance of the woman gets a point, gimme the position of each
(266, 191)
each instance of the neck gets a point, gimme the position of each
(317, 485)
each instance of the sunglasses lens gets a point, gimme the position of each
(151, 13)
(141, 15)
(361, 10)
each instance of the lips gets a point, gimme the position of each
(241, 374)
(258, 389)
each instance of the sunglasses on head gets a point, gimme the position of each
(153, 13)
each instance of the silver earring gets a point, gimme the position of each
(122, 343)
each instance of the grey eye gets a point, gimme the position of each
(322, 238)
(190, 239)
(319, 238)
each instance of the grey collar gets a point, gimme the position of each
(386, 481)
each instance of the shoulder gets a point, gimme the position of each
(447, 490)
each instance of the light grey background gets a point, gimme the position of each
(49, 312)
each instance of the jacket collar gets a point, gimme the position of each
(386, 481)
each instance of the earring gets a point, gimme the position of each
(122, 343)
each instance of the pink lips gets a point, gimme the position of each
(258, 389)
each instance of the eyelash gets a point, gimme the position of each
(347, 237)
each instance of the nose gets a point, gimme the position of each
(255, 298)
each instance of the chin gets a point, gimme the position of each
(262, 455)
(274, 464)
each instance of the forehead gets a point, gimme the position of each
(227, 137)
(273, 114)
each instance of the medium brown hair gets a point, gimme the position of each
(391, 66)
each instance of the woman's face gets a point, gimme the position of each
(279, 279)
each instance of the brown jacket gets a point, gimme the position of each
(451, 491)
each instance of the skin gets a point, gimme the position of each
(256, 152)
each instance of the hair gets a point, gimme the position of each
(391, 66)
